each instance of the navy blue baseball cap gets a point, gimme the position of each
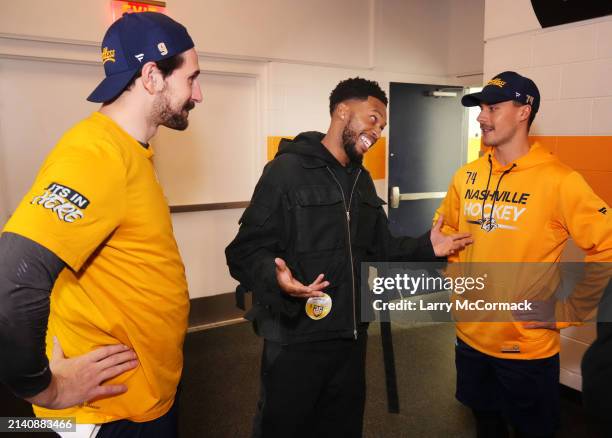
(505, 86)
(133, 40)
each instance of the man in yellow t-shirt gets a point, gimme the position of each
(91, 249)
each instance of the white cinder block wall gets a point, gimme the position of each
(572, 65)
(268, 68)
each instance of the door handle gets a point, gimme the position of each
(396, 197)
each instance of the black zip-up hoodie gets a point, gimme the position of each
(320, 217)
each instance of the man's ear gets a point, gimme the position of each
(152, 79)
(343, 111)
(525, 112)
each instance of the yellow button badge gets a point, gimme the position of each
(318, 307)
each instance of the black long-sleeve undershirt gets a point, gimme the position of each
(27, 274)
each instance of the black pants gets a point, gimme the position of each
(312, 389)
(165, 426)
(524, 393)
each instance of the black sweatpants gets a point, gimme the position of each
(312, 389)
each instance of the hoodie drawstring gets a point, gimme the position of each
(482, 219)
(505, 172)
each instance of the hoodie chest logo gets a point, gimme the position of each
(493, 208)
(488, 224)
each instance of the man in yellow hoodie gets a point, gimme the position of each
(521, 204)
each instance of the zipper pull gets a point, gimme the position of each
(348, 216)
(355, 333)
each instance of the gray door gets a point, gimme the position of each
(427, 144)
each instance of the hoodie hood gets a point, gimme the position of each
(536, 156)
(308, 145)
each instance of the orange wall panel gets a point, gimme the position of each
(376, 159)
(600, 182)
(586, 153)
(548, 141)
(273, 143)
(589, 155)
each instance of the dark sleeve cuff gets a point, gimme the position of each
(424, 250)
(29, 386)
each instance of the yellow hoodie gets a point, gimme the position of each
(540, 203)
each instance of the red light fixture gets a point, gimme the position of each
(120, 7)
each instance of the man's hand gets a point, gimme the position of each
(444, 245)
(292, 287)
(541, 315)
(79, 379)
(540, 325)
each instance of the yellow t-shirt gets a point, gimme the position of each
(97, 204)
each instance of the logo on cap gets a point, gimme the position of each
(497, 82)
(139, 57)
(163, 50)
(108, 55)
(530, 99)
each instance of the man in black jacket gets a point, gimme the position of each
(314, 217)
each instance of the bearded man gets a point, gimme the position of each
(91, 249)
(313, 218)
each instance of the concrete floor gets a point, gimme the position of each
(220, 387)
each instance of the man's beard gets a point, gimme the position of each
(349, 140)
(170, 118)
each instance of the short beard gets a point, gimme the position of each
(349, 139)
(170, 118)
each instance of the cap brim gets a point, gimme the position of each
(111, 86)
(488, 96)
